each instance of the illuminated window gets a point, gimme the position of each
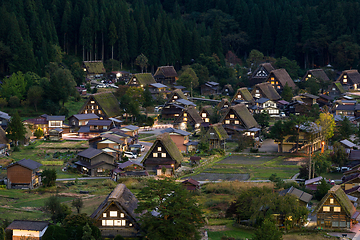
(236, 122)
(239, 96)
(207, 120)
(337, 209)
(159, 149)
(232, 116)
(99, 111)
(85, 111)
(92, 101)
(203, 115)
(163, 155)
(175, 97)
(185, 119)
(103, 222)
(277, 82)
(185, 114)
(326, 209)
(226, 105)
(278, 87)
(309, 75)
(155, 155)
(272, 82)
(176, 115)
(331, 201)
(109, 222)
(134, 79)
(345, 76)
(122, 215)
(120, 223)
(345, 80)
(104, 214)
(227, 121)
(113, 213)
(272, 78)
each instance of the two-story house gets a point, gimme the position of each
(179, 137)
(94, 69)
(206, 113)
(25, 229)
(78, 120)
(317, 74)
(166, 75)
(158, 90)
(116, 214)
(265, 90)
(237, 118)
(278, 78)
(335, 210)
(189, 117)
(95, 162)
(141, 80)
(103, 104)
(94, 127)
(243, 95)
(349, 79)
(216, 136)
(266, 105)
(261, 73)
(163, 155)
(24, 174)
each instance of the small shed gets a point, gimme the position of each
(191, 184)
(23, 229)
(195, 160)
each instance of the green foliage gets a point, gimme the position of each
(16, 129)
(78, 204)
(38, 133)
(287, 94)
(119, 237)
(339, 155)
(290, 66)
(34, 95)
(87, 233)
(3, 102)
(54, 232)
(255, 58)
(74, 225)
(322, 163)
(57, 210)
(179, 215)
(14, 102)
(14, 86)
(262, 119)
(142, 61)
(327, 123)
(201, 72)
(322, 190)
(48, 177)
(268, 230)
(344, 129)
(188, 79)
(279, 131)
(2, 234)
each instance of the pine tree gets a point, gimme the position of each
(113, 37)
(216, 46)
(266, 38)
(16, 129)
(87, 233)
(123, 45)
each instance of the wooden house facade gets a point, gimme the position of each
(189, 117)
(24, 229)
(163, 153)
(265, 90)
(215, 136)
(94, 69)
(141, 80)
(349, 79)
(191, 184)
(335, 210)
(206, 113)
(210, 88)
(279, 78)
(261, 73)
(166, 75)
(95, 162)
(24, 174)
(77, 120)
(243, 95)
(116, 214)
(104, 105)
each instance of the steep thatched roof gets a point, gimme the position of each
(317, 73)
(179, 93)
(143, 79)
(223, 102)
(94, 67)
(218, 132)
(208, 109)
(283, 77)
(352, 75)
(229, 87)
(246, 95)
(193, 113)
(121, 197)
(170, 147)
(107, 102)
(3, 138)
(263, 66)
(242, 114)
(268, 90)
(337, 192)
(339, 87)
(166, 71)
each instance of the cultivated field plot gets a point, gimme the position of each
(251, 167)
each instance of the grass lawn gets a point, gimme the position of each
(73, 106)
(231, 231)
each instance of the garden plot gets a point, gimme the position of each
(250, 167)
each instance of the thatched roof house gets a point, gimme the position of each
(104, 104)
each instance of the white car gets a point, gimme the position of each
(130, 155)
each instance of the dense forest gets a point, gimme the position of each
(312, 32)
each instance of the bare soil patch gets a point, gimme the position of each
(295, 161)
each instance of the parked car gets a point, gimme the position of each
(130, 155)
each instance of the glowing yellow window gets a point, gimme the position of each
(326, 209)
(163, 155)
(207, 120)
(232, 116)
(309, 75)
(331, 201)
(176, 115)
(155, 155)
(175, 97)
(203, 115)
(185, 114)
(236, 122)
(92, 101)
(159, 149)
(272, 82)
(345, 80)
(272, 78)
(185, 119)
(227, 121)
(239, 96)
(337, 209)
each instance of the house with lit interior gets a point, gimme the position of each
(206, 113)
(189, 117)
(261, 73)
(237, 118)
(215, 136)
(266, 105)
(278, 78)
(94, 69)
(141, 80)
(78, 120)
(265, 90)
(335, 210)
(179, 137)
(164, 157)
(227, 90)
(116, 214)
(166, 75)
(318, 74)
(243, 95)
(103, 104)
(25, 229)
(349, 79)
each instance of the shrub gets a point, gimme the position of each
(254, 150)
(109, 183)
(38, 133)
(14, 102)
(3, 102)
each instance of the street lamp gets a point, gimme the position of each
(173, 167)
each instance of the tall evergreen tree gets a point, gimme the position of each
(113, 37)
(16, 129)
(216, 46)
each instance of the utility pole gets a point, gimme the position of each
(310, 163)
